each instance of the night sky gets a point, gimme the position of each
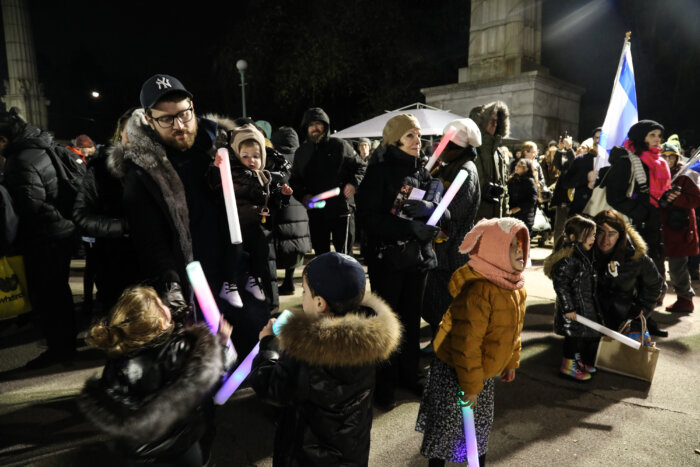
(355, 59)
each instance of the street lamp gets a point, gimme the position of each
(95, 94)
(242, 66)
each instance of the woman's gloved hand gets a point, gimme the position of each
(423, 232)
(418, 208)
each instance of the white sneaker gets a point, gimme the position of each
(229, 292)
(253, 286)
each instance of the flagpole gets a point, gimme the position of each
(625, 46)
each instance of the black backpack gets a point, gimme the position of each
(69, 172)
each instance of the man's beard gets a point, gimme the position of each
(182, 144)
(315, 138)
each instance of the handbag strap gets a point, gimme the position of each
(627, 323)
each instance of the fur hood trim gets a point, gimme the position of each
(174, 404)
(482, 114)
(555, 257)
(637, 242)
(350, 340)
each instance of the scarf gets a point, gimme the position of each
(510, 280)
(659, 175)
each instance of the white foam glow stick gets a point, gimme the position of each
(447, 199)
(608, 332)
(441, 147)
(470, 436)
(234, 226)
(326, 194)
(241, 373)
(204, 297)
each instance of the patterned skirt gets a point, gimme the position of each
(440, 417)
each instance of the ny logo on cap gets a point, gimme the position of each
(163, 82)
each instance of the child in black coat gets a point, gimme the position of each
(522, 193)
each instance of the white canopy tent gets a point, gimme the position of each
(432, 122)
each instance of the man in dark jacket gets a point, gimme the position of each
(493, 120)
(45, 236)
(577, 177)
(320, 164)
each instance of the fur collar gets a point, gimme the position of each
(172, 404)
(637, 242)
(555, 257)
(482, 114)
(350, 340)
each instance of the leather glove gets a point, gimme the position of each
(423, 232)
(418, 208)
(174, 299)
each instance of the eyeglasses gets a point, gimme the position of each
(167, 121)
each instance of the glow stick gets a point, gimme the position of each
(316, 204)
(234, 226)
(326, 194)
(470, 435)
(204, 295)
(449, 194)
(609, 332)
(441, 147)
(243, 370)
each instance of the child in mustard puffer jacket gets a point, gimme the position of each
(478, 339)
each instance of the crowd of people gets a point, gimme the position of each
(151, 201)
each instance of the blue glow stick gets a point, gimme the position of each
(469, 434)
(241, 373)
(316, 204)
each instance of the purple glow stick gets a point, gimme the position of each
(234, 225)
(441, 147)
(316, 204)
(243, 370)
(470, 435)
(326, 194)
(451, 192)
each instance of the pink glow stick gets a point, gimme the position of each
(449, 194)
(326, 195)
(241, 373)
(441, 147)
(234, 225)
(205, 298)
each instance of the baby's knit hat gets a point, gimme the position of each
(396, 127)
(244, 133)
(84, 141)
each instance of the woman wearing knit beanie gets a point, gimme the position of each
(643, 144)
(399, 249)
(478, 339)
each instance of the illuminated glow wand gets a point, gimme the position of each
(326, 194)
(243, 370)
(449, 194)
(205, 298)
(441, 147)
(469, 432)
(316, 204)
(234, 226)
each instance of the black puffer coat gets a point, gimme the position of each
(31, 179)
(574, 278)
(291, 232)
(152, 400)
(577, 178)
(324, 380)
(523, 194)
(375, 199)
(325, 165)
(628, 284)
(563, 161)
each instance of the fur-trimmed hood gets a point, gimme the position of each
(482, 114)
(171, 405)
(351, 340)
(554, 258)
(636, 242)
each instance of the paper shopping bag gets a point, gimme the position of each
(617, 357)
(13, 299)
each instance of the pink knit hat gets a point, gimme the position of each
(488, 243)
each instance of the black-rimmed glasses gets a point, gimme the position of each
(167, 121)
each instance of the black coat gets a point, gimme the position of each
(574, 278)
(323, 377)
(522, 192)
(375, 199)
(563, 160)
(31, 179)
(629, 283)
(577, 178)
(325, 165)
(291, 231)
(152, 399)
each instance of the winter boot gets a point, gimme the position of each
(254, 288)
(570, 368)
(229, 292)
(682, 305)
(587, 368)
(654, 329)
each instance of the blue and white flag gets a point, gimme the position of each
(622, 110)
